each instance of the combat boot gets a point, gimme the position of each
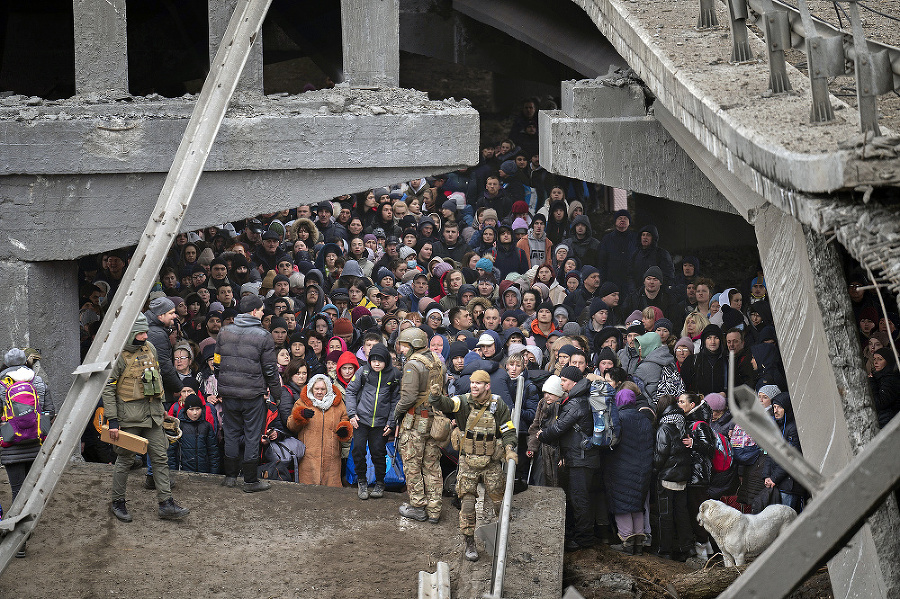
(169, 510)
(149, 483)
(118, 510)
(377, 491)
(252, 484)
(413, 513)
(363, 492)
(471, 552)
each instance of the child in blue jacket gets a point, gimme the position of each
(371, 397)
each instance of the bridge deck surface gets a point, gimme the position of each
(291, 541)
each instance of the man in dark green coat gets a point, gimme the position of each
(133, 403)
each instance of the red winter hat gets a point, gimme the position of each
(343, 326)
(519, 207)
(358, 312)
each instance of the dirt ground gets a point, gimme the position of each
(601, 573)
(291, 541)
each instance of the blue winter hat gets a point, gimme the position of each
(587, 270)
(509, 167)
(485, 264)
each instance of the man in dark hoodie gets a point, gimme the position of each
(329, 230)
(653, 293)
(650, 254)
(581, 300)
(792, 494)
(706, 371)
(582, 242)
(508, 257)
(616, 250)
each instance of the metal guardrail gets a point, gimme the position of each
(830, 52)
(152, 249)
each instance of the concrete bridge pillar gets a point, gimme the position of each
(370, 36)
(220, 12)
(829, 392)
(101, 46)
(38, 308)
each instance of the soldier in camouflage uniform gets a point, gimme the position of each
(481, 455)
(421, 454)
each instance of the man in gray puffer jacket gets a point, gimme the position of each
(246, 368)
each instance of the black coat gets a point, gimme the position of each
(704, 444)
(885, 386)
(705, 372)
(771, 468)
(247, 364)
(159, 337)
(629, 467)
(586, 249)
(643, 258)
(616, 250)
(723, 483)
(574, 409)
(671, 459)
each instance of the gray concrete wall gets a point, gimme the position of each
(818, 359)
(603, 134)
(101, 46)
(39, 309)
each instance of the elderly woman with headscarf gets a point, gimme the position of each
(319, 419)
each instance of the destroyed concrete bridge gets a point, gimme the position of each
(691, 126)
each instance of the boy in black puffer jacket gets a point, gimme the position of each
(197, 449)
(672, 463)
(371, 397)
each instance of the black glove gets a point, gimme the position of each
(342, 432)
(307, 413)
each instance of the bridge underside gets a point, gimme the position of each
(292, 541)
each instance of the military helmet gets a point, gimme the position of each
(414, 336)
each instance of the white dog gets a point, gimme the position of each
(740, 536)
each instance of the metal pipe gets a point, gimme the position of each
(164, 224)
(503, 533)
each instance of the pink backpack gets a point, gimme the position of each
(21, 419)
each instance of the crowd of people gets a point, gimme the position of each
(490, 275)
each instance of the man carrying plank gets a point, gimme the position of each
(133, 403)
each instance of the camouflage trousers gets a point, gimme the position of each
(467, 490)
(422, 467)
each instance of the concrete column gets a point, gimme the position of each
(220, 12)
(370, 34)
(39, 309)
(829, 393)
(101, 46)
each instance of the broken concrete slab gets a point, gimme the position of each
(765, 140)
(604, 134)
(340, 128)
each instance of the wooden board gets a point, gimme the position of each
(134, 443)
